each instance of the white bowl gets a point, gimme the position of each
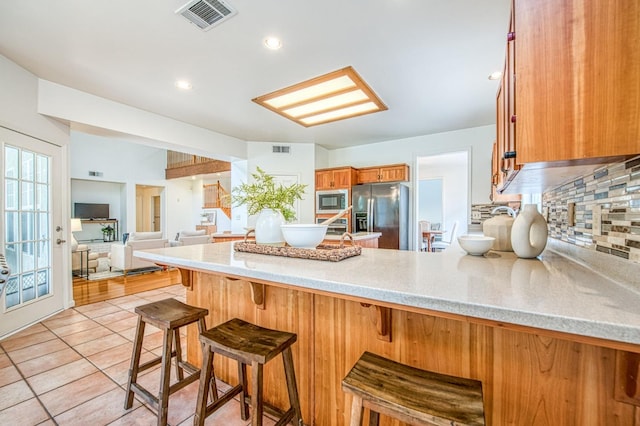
(304, 236)
(476, 245)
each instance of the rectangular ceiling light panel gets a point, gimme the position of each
(331, 97)
(206, 14)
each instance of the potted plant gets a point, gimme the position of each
(272, 201)
(108, 233)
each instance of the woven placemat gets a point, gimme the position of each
(330, 252)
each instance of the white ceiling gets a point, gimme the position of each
(428, 60)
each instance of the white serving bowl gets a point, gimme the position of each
(304, 236)
(476, 245)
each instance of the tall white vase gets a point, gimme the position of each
(268, 228)
(529, 233)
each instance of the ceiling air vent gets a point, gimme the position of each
(206, 14)
(281, 149)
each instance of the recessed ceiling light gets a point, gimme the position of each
(495, 75)
(183, 84)
(273, 43)
(331, 97)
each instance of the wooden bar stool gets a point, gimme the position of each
(168, 315)
(411, 395)
(248, 344)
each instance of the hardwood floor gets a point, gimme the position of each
(86, 292)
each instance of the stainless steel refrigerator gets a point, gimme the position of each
(384, 208)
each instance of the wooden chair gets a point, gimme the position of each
(248, 344)
(424, 225)
(411, 395)
(168, 315)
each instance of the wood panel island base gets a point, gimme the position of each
(530, 375)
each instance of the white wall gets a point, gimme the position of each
(479, 140)
(86, 191)
(19, 105)
(453, 169)
(75, 106)
(299, 162)
(131, 164)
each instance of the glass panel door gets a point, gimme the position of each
(34, 289)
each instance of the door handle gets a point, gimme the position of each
(59, 241)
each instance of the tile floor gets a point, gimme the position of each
(71, 369)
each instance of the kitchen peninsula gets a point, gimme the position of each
(552, 341)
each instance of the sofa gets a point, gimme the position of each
(187, 238)
(121, 255)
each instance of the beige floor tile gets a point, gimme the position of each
(120, 372)
(87, 335)
(4, 360)
(97, 411)
(48, 423)
(153, 341)
(14, 343)
(8, 375)
(156, 297)
(106, 310)
(47, 362)
(92, 307)
(227, 415)
(70, 316)
(76, 327)
(35, 328)
(82, 390)
(129, 333)
(138, 417)
(182, 404)
(52, 379)
(30, 412)
(14, 393)
(112, 356)
(99, 345)
(39, 349)
(123, 324)
(113, 317)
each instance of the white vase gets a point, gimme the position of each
(529, 233)
(268, 228)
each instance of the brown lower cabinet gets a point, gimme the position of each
(530, 376)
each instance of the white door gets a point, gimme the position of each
(31, 212)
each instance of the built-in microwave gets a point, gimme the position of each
(332, 201)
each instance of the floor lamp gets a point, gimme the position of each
(76, 226)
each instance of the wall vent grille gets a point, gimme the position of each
(206, 14)
(281, 149)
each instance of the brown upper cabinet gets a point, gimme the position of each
(391, 173)
(336, 178)
(577, 80)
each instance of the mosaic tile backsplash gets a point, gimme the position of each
(606, 206)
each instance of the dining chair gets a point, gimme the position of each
(424, 226)
(442, 245)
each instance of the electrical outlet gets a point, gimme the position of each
(476, 215)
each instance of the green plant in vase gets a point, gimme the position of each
(272, 201)
(265, 193)
(108, 233)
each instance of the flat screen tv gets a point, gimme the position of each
(91, 211)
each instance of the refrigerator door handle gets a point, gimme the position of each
(371, 200)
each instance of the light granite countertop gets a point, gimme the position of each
(551, 292)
